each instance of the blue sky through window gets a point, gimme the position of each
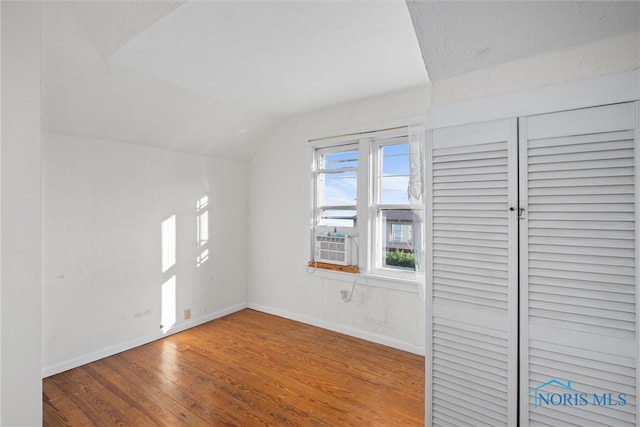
(340, 189)
(395, 174)
(345, 159)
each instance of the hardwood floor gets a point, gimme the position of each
(245, 369)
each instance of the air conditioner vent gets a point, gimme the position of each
(333, 249)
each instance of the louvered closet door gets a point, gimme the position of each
(472, 276)
(578, 267)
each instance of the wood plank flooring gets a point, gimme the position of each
(245, 369)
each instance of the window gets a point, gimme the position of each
(368, 186)
(393, 210)
(336, 175)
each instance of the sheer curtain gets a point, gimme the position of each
(416, 197)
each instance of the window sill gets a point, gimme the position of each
(367, 279)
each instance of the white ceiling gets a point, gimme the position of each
(217, 77)
(461, 36)
(281, 57)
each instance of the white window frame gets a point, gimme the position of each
(365, 231)
(376, 207)
(316, 172)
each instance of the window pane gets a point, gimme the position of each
(344, 159)
(340, 189)
(397, 239)
(337, 186)
(338, 217)
(395, 174)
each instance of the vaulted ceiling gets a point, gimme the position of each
(217, 77)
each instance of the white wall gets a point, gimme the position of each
(278, 225)
(103, 206)
(20, 381)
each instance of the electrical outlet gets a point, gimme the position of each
(187, 313)
(343, 294)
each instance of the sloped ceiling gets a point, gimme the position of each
(461, 36)
(216, 77)
(281, 57)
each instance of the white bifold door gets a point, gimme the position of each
(472, 319)
(578, 267)
(532, 287)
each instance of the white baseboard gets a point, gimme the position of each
(118, 348)
(368, 336)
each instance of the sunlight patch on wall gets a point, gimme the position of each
(168, 238)
(168, 304)
(202, 230)
(202, 258)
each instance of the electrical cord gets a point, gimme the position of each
(315, 267)
(355, 279)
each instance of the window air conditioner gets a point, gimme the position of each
(333, 248)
